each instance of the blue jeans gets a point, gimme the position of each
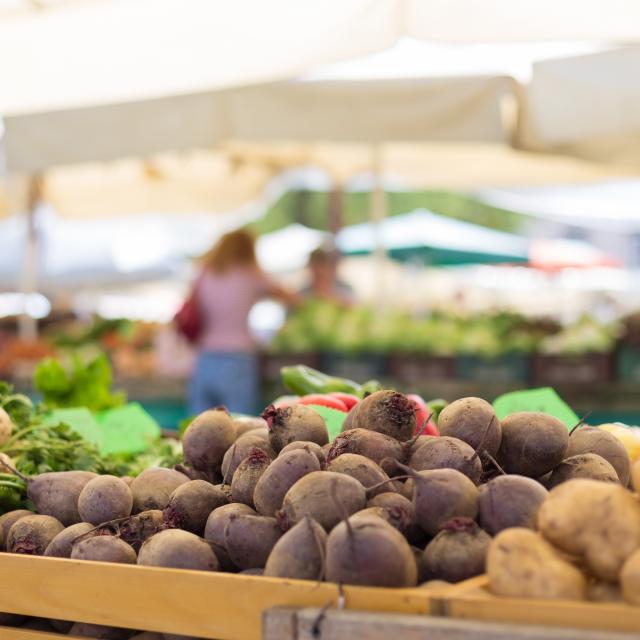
(228, 379)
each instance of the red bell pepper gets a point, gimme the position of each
(349, 399)
(422, 413)
(324, 400)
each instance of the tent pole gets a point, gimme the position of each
(28, 325)
(378, 212)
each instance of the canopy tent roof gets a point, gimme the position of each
(67, 56)
(612, 205)
(238, 177)
(410, 110)
(435, 240)
(71, 96)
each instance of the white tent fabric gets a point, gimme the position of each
(587, 106)
(288, 248)
(370, 111)
(97, 79)
(104, 51)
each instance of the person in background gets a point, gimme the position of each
(325, 283)
(231, 282)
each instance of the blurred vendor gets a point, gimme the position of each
(324, 281)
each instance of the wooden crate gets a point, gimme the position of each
(194, 603)
(312, 624)
(471, 600)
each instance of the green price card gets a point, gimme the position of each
(545, 400)
(127, 429)
(333, 419)
(81, 420)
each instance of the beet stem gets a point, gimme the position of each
(420, 431)
(476, 453)
(495, 463)
(383, 482)
(580, 422)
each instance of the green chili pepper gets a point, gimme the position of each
(435, 407)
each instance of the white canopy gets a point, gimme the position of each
(94, 80)
(57, 54)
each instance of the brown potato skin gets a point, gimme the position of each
(467, 419)
(532, 443)
(630, 578)
(598, 522)
(521, 564)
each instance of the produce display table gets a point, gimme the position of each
(194, 603)
(237, 607)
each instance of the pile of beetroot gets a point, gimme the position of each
(382, 505)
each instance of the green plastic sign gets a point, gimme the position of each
(545, 400)
(333, 419)
(127, 429)
(81, 420)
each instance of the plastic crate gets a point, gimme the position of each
(357, 367)
(590, 368)
(628, 364)
(507, 368)
(412, 369)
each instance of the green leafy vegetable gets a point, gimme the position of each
(78, 385)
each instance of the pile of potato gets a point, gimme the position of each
(379, 506)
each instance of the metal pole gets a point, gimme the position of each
(378, 212)
(28, 325)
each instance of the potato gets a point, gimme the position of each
(532, 443)
(597, 521)
(630, 578)
(521, 564)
